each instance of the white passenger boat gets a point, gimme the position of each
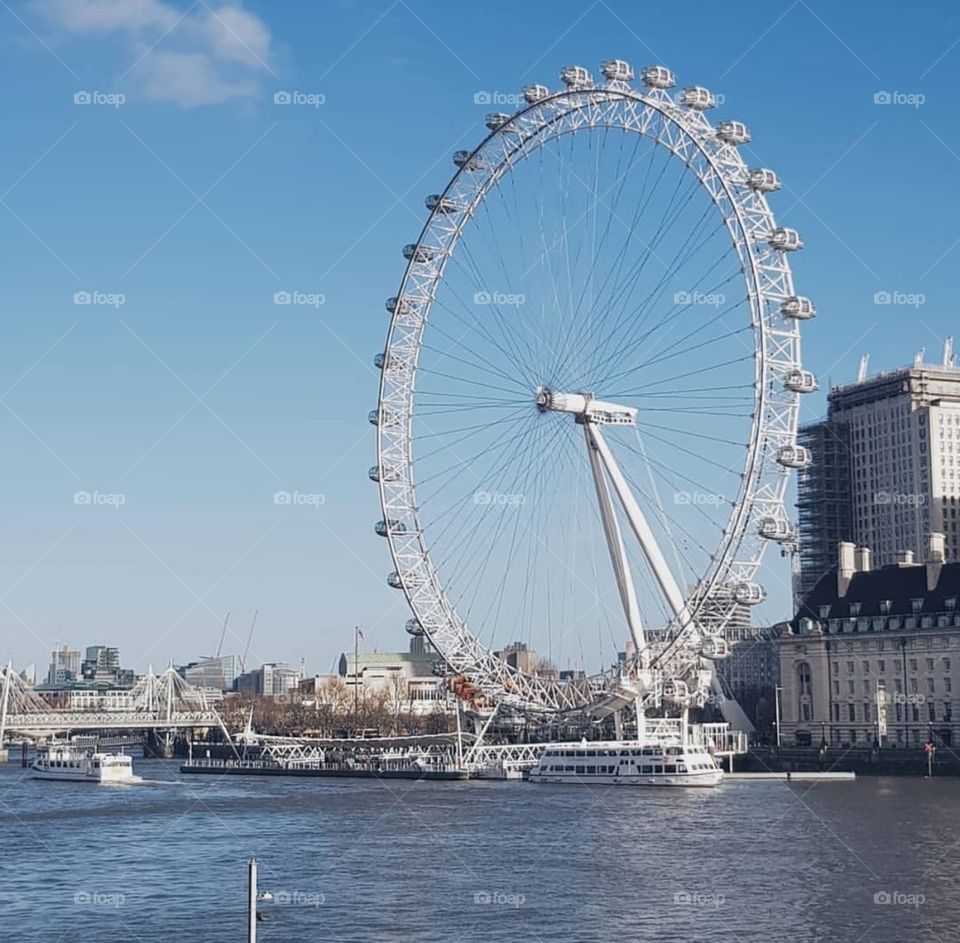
(627, 763)
(64, 761)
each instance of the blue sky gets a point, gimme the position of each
(181, 198)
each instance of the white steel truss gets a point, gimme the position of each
(758, 514)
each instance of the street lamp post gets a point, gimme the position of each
(776, 701)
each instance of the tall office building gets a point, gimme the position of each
(64, 666)
(885, 470)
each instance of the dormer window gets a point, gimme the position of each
(917, 603)
(885, 605)
(951, 603)
(855, 609)
(825, 610)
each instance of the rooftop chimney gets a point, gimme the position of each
(904, 558)
(936, 557)
(846, 567)
(863, 559)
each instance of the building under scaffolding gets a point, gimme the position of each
(824, 505)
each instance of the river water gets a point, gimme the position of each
(873, 861)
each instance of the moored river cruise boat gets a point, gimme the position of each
(627, 763)
(67, 763)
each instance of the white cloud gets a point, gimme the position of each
(204, 54)
(190, 79)
(104, 16)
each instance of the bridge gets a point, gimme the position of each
(155, 702)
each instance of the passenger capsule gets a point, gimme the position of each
(714, 647)
(576, 77)
(379, 360)
(798, 307)
(466, 160)
(387, 473)
(418, 253)
(786, 240)
(763, 180)
(396, 304)
(658, 76)
(697, 98)
(773, 528)
(442, 204)
(382, 417)
(413, 627)
(390, 528)
(496, 120)
(801, 381)
(616, 70)
(793, 456)
(733, 132)
(535, 93)
(393, 579)
(749, 594)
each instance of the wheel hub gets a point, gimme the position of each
(585, 408)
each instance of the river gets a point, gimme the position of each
(872, 861)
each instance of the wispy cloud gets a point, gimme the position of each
(193, 55)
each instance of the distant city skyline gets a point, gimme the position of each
(196, 275)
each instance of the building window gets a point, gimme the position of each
(804, 679)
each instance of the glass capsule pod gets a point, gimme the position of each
(793, 456)
(801, 381)
(733, 132)
(658, 76)
(416, 253)
(576, 77)
(535, 93)
(616, 70)
(772, 528)
(798, 307)
(786, 240)
(697, 97)
(763, 180)
(441, 204)
(496, 120)
(390, 528)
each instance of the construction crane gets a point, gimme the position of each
(246, 651)
(223, 634)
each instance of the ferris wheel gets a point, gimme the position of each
(589, 395)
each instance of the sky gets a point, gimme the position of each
(168, 168)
